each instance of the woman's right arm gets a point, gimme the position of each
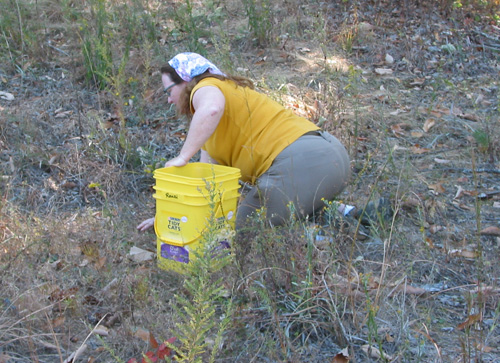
(208, 102)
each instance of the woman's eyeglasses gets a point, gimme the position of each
(166, 90)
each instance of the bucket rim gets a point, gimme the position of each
(222, 170)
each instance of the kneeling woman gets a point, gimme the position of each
(286, 158)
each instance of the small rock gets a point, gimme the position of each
(137, 254)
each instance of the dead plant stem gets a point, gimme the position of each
(20, 26)
(81, 348)
(55, 337)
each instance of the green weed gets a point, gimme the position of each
(204, 311)
(21, 25)
(260, 20)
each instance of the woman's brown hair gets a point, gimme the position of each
(184, 101)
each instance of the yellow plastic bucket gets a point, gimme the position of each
(192, 178)
(185, 199)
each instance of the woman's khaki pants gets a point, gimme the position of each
(313, 168)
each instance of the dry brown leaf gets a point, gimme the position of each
(44, 344)
(419, 150)
(62, 114)
(471, 320)
(59, 295)
(397, 130)
(383, 71)
(463, 253)
(435, 228)
(410, 290)
(429, 242)
(484, 348)
(491, 231)
(57, 322)
(346, 287)
(470, 117)
(68, 185)
(410, 203)
(365, 26)
(142, 334)
(101, 261)
(462, 206)
(180, 135)
(342, 356)
(441, 161)
(437, 113)
(152, 341)
(438, 188)
(442, 110)
(108, 124)
(101, 330)
(428, 124)
(417, 82)
(459, 193)
(374, 352)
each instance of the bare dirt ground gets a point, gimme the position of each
(413, 94)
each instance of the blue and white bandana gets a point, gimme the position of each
(189, 65)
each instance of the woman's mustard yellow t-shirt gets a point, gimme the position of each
(253, 130)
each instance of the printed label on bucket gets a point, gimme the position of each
(174, 224)
(175, 253)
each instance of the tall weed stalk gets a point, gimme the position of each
(204, 310)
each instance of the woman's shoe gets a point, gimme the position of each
(375, 211)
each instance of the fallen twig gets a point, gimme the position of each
(479, 170)
(490, 37)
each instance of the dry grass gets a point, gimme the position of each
(76, 162)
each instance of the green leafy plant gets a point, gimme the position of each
(203, 310)
(260, 19)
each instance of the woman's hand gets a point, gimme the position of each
(177, 161)
(147, 224)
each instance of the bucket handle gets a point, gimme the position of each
(156, 229)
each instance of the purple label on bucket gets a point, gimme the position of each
(175, 253)
(222, 247)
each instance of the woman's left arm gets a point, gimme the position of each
(208, 103)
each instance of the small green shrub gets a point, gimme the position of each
(260, 20)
